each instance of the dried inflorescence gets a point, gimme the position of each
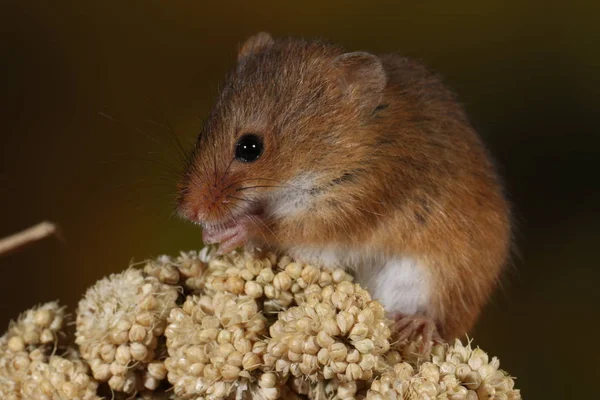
(120, 325)
(277, 282)
(186, 270)
(246, 325)
(455, 372)
(28, 367)
(215, 345)
(330, 389)
(339, 333)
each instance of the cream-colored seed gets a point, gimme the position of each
(323, 356)
(210, 372)
(367, 361)
(117, 382)
(266, 275)
(338, 351)
(157, 370)
(31, 337)
(225, 349)
(210, 322)
(324, 340)
(353, 372)
(270, 291)
(149, 302)
(224, 336)
(358, 332)
(330, 326)
(282, 366)
(294, 270)
(145, 318)
(339, 299)
(137, 333)
(339, 367)
(282, 281)
(139, 351)
(107, 352)
(43, 317)
(196, 369)
(353, 356)
(294, 357)
(347, 389)
(117, 369)
(251, 361)
(16, 343)
(338, 275)
(246, 275)
(102, 372)
(253, 289)
(267, 380)
(345, 321)
(235, 358)
(234, 284)
(230, 372)
(310, 274)
(325, 279)
(243, 345)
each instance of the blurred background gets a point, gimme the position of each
(95, 96)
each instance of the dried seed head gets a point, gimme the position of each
(120, 320)
(28, 367)
(211, 346)
(323, 339)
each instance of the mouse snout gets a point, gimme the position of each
(204, 202)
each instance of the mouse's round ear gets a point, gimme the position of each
(362, 77)
(255, 44)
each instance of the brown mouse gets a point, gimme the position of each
(357, 160)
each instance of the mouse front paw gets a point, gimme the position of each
(228, 235)
(416, 328)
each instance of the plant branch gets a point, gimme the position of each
(28, 236)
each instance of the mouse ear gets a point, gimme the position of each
(255, 44)
(362, 78)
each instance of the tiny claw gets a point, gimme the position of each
(228, 235)
(415, 327)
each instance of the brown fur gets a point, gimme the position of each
(400, 169)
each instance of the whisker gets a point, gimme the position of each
(270, 230)
(231, 214)
(251, 218)
(241, 199)
(260, 230)
(227, 169)
(258, 186)
(250, 179)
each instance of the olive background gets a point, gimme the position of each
(96, 95)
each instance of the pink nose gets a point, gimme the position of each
(202, 203)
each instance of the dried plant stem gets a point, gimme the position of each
(28, 236)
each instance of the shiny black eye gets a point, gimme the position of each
(249, 148)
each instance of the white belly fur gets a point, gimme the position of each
(401, 284)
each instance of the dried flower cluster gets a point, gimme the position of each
(338, 333)
(120, 323)
(455, 372)
(215, 344)
(246, 325)
(28, 367)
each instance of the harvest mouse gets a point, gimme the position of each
(357, 160)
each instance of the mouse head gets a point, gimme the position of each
(287, 126)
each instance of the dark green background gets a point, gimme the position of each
(527, 72)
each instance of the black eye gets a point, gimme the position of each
(248, 148)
